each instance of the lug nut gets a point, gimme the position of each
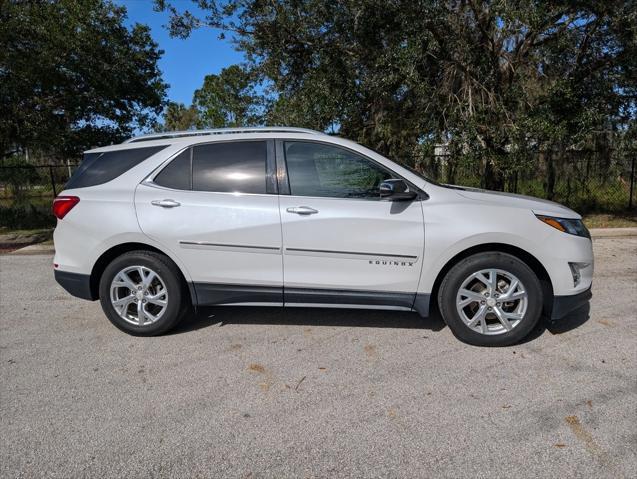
(496, 295)
(489, 308)
(497, 304)
(139, 288)
(482, 302)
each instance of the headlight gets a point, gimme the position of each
(573, 227)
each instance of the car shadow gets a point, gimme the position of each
(571, 321)
(363, 318)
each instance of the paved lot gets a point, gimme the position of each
(314, 393)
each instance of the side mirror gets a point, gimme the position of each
(396, 190)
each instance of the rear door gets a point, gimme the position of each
(215, 207)
(342, 244)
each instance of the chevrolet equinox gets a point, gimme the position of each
(163, 223)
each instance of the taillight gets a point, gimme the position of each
(63, 204)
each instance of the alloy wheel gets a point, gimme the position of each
(139, 295)
(492, 301)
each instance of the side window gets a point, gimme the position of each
(177, 174)
(233, 167)
(97, 168)
(316, 169)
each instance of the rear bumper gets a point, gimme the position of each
(79, 285)
(562, 305)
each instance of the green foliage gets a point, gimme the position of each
(227, 99)
(72, 75)
(500, 83)
(23, 215)
(178, 117)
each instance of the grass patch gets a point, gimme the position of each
(24, 232)
(601, 220)
(10, 236)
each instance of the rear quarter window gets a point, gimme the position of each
(178, 174)
(100, 168)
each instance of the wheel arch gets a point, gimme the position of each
(530, 260)
(114, 251)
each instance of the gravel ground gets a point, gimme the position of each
(241, 392)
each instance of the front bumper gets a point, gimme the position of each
(79, 285)
(562, 305)
(556, 251)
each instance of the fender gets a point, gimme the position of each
(139, 237)
(434, 262)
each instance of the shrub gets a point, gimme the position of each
(26, 216)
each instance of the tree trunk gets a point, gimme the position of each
(550, 176)
(492, 178)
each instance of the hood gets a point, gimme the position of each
(513, 200)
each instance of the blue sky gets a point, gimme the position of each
(185, 63)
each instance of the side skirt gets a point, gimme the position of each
(208, 294)
(347, 297)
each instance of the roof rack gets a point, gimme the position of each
(220, 131)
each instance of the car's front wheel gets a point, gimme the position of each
(491, 299)
(142, 293)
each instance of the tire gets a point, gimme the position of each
(480, 313)
(167, 286)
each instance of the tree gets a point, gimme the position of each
(498, 82)
(532, 77)
(227, 99)
(72, 76)
(224, 100)
(178, 117)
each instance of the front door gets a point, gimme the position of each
(341, 243)
(214, 208)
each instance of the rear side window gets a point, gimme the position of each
(233, 167)
(177, 174)
(99, 168)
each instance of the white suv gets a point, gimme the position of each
(294, 217)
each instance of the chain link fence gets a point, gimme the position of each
(585, 181)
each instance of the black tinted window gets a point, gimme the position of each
(315, 169)
(237, 166)
(97, 168)
(177, 174)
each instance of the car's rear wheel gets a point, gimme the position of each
(491, 299)
(142, 293)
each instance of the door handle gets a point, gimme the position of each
(165, 203)
(302, 210)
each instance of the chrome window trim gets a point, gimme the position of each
(149, 180)
(281, 171)
(229, 193)
(281, 151)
